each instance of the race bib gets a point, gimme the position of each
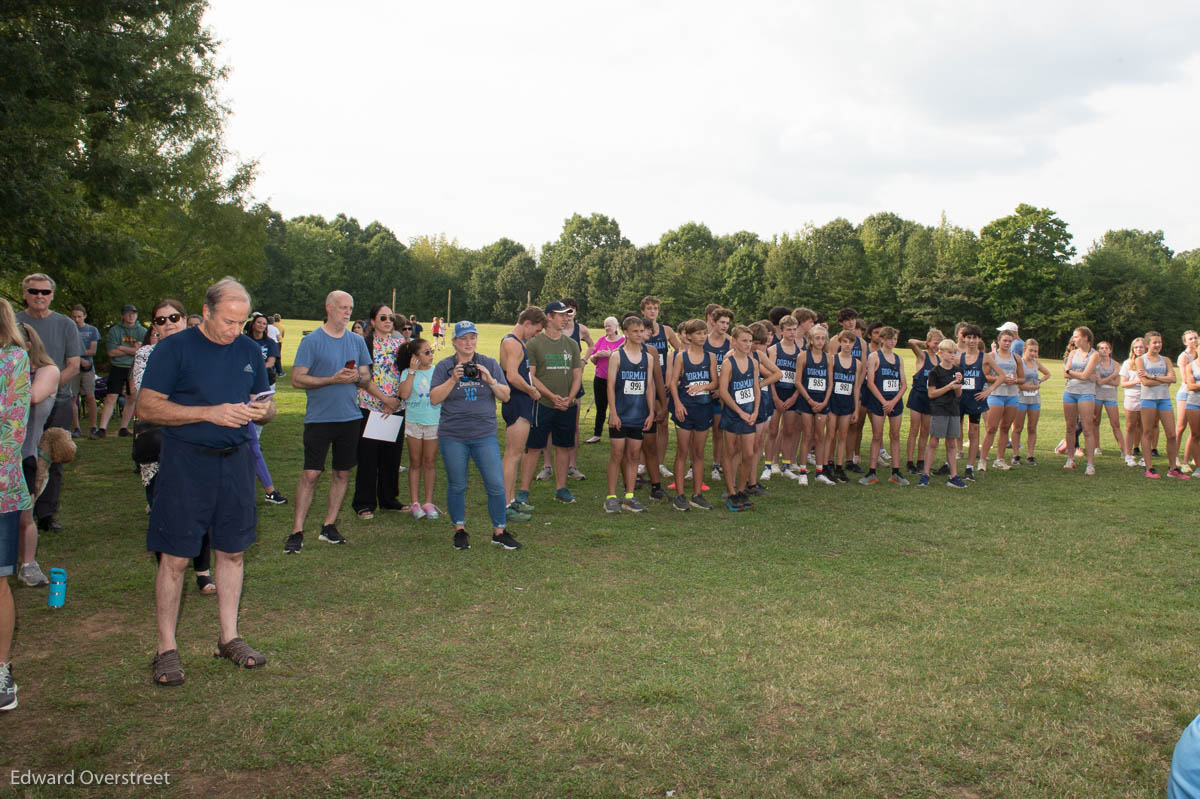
(789, 377)
(1029, 392)
(818, 384)
(845, 389)
(744, 396)
(703, 393)
(968, 383)
(891, 386)
(635, 387)
(662, 360)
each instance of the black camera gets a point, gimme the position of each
(470, 371)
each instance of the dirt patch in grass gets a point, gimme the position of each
(281, 780)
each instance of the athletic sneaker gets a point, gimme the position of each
(802, 478)
(1090, 471)
(956, 482)
(884, 456)
(505, 540)
(980, 466)
(1186, 469)
(632, 504)
(664, 471)
(416, 510)
(1172, 473)
(792, 472)
(775, 469)
(514, 515)
(76, 433)
(1016, 460)
(688, 476)
(275, 498)
(1098, 451)
(898, 479)
(1129, 461)
(1070, 464)
(811, 459)
(732, 505)
(699, 502)
(612, 505)
(923, 482)
(869, 480)
(431, 511)
(1001, 464)
(545, 474)
(1153, 475)
(294, 543)
(756, 491)
(912, 468)
(823, 480)
(840, 475)
(564, 496)
(1154, 453)
(521, 500)
(969, 474)
(680, 502)
(766, 474)
(461, 539)
(717, 471)
(657, 494)
(944, 469)
(31, 574)
(1031, 461)
(744, 500)
(330, 535)
(8, 688)
(1061, 449)
(853, 466)
(574, 473)
(1141, 462)
(641, 469)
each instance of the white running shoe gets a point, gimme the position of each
(1141, 461)
(688, 476)
(1129, 461)
(884, 456)
(766, 474)
(664, 471)
(1098, 451)
(775, 469)
(545, 474)
(823, 480)
(1001, 464)
(812, 459)
(802, 478)
(980, 466)
(641, 469)
(1090, 470)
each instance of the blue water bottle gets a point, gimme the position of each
(58, 588)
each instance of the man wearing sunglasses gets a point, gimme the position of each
(61, 338)
(122, 341)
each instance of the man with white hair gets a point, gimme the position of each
(332, 362)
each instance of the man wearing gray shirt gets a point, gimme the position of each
(61, 337)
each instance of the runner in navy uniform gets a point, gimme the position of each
(692, 383)
(718, 343)
(518, 411)
(970, 360)
(918, 399)
(769, 375)
(844, 401)
(739, 390)
(848, 319)
(785, 426)
(662, 338)
(814, 387)
(631, 376)
(885, 398)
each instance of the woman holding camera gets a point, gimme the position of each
(466, 386)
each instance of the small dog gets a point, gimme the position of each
(55, 446)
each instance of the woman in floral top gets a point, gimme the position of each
(14, 496)
(377, 481)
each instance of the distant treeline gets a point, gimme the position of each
(1021, 267)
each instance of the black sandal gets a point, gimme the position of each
(205, 584)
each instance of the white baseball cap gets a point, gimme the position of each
(1011, 327)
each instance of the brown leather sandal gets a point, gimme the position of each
(167, 668)
(240, 653)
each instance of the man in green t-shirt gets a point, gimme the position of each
(122, 341)
(556, 371)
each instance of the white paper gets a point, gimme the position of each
(383, 428)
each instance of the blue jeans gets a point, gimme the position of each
(486, 453)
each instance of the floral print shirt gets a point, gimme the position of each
(385, 374)
(14, 411)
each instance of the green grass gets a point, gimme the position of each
(1033, 636)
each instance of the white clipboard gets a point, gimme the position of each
(383, 428)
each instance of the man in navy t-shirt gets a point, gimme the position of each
(199, 385)
(331, 364)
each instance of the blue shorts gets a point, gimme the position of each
(200, 491)
(785, 392)
(1002, 401)
(1155, 405)
(551, 424)
(699, 417)
(766, 406)
(1190, 407)
(1075, 399)
(10, 540)
(876, 409)
(1035, 406)
(1107, 403)
(918, 402)
(1181, 395)
(519, 406)
(732, 423)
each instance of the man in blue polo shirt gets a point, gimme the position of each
(332, 363)
(199, 385)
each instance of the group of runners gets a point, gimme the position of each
(792, 395)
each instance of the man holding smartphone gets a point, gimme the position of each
(331, 363)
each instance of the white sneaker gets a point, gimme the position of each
(574, 473)
(980, 466)
(1129, 460)
(812, 459)
(1001, 464)
(766, 474)
(884, 456)
(1141, 461)
(641, 469)
(664, 471)
(823, 480)
(1090, 470)
(802, 478)
(775, 469)
(716, 472)
(688, 476)
(545, 474)
(31, 574)
(1098, 451)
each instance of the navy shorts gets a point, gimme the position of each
(766, 406)
(342, 436)
(551, 424)
(519, 406)
(10, 540)
(874, 407)
(699, 417)
(918, 402)
(785, 392)
(732, 423)
(631, 432)
(200, 491)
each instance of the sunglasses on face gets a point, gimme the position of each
(427, 352)
(407, 327)
(172, 318)
(385, 318)
(42, 292)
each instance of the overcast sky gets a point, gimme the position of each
(481, 120)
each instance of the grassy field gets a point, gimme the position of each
(1033, 636)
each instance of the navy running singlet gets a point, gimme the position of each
(629, 389)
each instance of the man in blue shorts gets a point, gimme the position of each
(200, 385)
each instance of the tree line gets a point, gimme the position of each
(118, 184)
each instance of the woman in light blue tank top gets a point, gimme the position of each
(1005, 373)
(1191, 350)
(1030, 410)
(1191, 381)
(1079, 398)
(1108, 378)
(1156, 374)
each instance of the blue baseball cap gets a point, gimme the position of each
(463, 328)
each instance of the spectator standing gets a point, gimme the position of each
(61, 339)
(256, 329)
(43, 383)
(83, 385)
(331, 362)
(377, 482)
(14, 495)
(200, 385)
(123, 341)
(556, 371)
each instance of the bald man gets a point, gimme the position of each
(331, 364)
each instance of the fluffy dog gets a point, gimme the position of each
(55, 446)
